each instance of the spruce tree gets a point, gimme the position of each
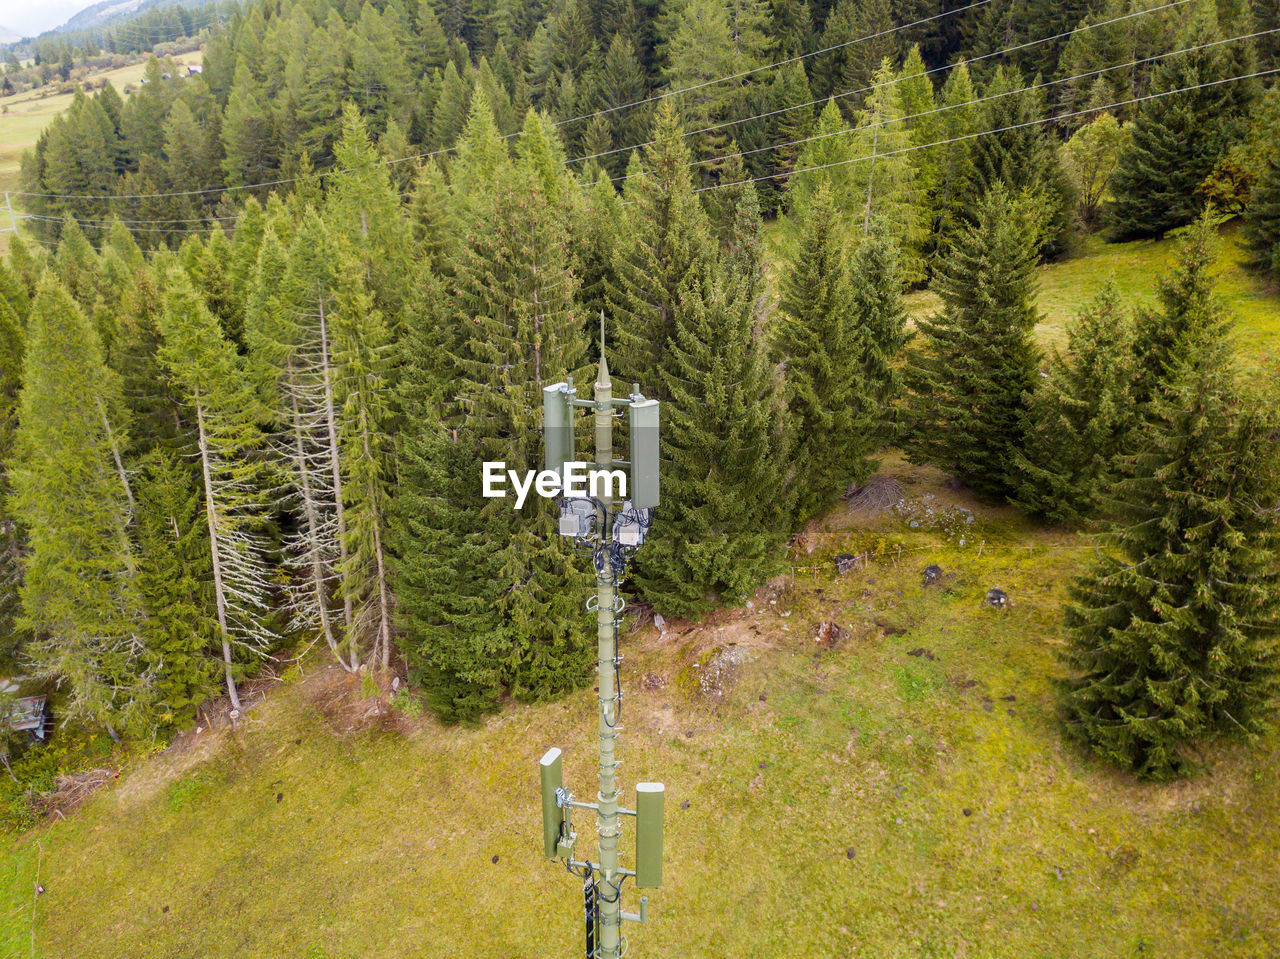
(362, 207)
(173, 575)
(881, 319)
(487, 595)
(220, 405)
(726, 503)
(1177, 137)
(1185, 303)
(290, 358)
(362, 361)
(831, 409)
(79, 593)
(1081, 420)
(1021, 155)
(443, 567)
(668, 240)
(1172, 636)
(11, 361)
(978, 364)
(1262, 222)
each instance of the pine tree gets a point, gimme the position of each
(1262, 222)
(832, 412)
(1177, 137)
(978, 364)
(1172, 637)
(885, 185)
(361, 359)
(362, 208)
(173, 573)
(668, 240)
(1185, 303)
(208, 375)
(726, 503)
(1081, 420)
(511, 619)
(79, 593)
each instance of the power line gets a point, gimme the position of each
(780, 63)
(443, 150)
(971, 103)
(851, 93)
(982, 133)
(329, 172)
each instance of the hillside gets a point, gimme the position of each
(903, 792)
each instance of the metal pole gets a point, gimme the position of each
(13, 221)
(609, 898)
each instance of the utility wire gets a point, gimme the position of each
(779, 63)
(451, 149)
(324, 173)
(851, 93)
(982, 133)
(971, 103)
(939, 143)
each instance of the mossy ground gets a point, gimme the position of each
(1065, 287)
(906, 792)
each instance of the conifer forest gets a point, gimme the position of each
(264, 319)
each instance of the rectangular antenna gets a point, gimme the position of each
(552, 811)
(557, 428)
(649, 802)
(644, 454)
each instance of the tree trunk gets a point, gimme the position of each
(332, 422)
(211, 517)
(309, 507)
(115, 454)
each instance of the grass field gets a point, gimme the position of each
(1066, 287)
(903, 793)
(26, 114)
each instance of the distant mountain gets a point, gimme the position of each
(110, 12)
(103, 12)
(7, 35)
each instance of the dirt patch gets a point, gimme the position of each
(715, 675)
(71, 790)
(355, 702)
(830, 634)
(876, 495)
